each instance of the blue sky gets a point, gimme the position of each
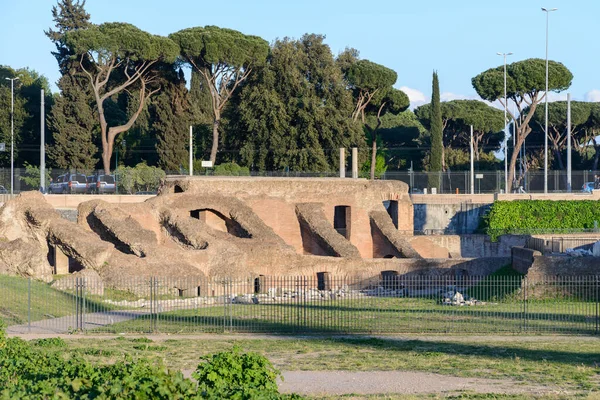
(457, 38)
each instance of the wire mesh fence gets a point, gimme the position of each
(324, 304)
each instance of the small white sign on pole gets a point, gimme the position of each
(478, 176)
(206, 164)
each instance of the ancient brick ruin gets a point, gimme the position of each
(227, 226)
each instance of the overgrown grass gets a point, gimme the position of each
(569, 363)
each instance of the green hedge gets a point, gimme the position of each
(540, 216)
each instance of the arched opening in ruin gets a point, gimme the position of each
(60, 262)
(219, 222)
(342, 221)
(178, 189)
(391, 206)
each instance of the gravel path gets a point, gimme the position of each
(329, 383)
(63, 325)
(397, 382)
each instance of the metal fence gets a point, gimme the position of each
(491, 181)
(448, 182)
(324, 304)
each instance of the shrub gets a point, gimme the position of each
(142, 178)
(232, 374)
(231, 169)
(540, 216)
(28, 372)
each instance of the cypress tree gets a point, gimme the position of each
(171, 116)
(436, 131)
(71, 119)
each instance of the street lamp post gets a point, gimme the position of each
(547, 11)
(12, 132)
(505, 125)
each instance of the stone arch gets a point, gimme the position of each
(218, 221)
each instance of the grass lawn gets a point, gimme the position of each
(374, 315)
(46, 302)
(573, 364)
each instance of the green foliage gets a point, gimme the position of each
(31, 177)
(49, 342)
(293, 113)
(70, 15)
(436, 132)
(142, 178)
(26, 113)
(459, 115)
(170, 114)
(28, 372)
(460, 160)
(211, 45)
(367, 75)
(540, 216)
(73, 125)
(380, 167)
(237, 375)
(231, 169)
(123, 41)
(523, 78)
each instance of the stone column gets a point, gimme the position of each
(354, 163)
(342, 163)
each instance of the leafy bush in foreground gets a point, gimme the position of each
(28, 373)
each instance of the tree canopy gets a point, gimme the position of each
(225, 58)
(459, 115)
(292, 113)
(120, 56)
(525, 85)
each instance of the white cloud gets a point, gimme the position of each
(449, 96)
(415, 96)
(592, 95)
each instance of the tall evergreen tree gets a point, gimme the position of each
(436, 132)
(72, 121)
(171, 113)
(293, 113)
(201, 114)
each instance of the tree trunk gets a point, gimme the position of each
(373, 154)
(596, 156)
(513, 162)
(215, 140)
(106, 162)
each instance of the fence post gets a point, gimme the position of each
(230, 305)
(29, 306)
(524, 284)
(83, 304)
(597, 305)
(224, 306)
(77, 303)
